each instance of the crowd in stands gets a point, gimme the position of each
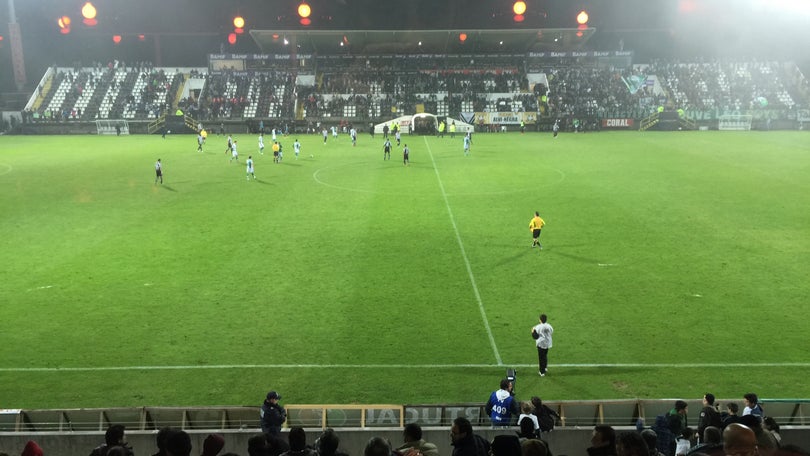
(718, 433)
(370, 89)
(730, 86)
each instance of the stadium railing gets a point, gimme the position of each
(573, 414)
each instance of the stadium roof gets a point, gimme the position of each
(372, 42)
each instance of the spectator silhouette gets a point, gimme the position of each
(114, 436)
(178, 443)
(32, 449)
(328, 443)
(412, 436)
(740, 440)
(298, 443)
(160, 440)
(603, 441)
(631, 444)
(377, 446)
(464, 442)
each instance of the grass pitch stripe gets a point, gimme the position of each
(464, 256)
(402, 366)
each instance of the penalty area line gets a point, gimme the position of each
(400, 366)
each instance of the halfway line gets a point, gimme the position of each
(466, 260)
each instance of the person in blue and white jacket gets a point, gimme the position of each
(502, 405)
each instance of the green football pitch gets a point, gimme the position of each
(673, 264)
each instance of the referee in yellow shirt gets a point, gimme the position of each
(535, 225)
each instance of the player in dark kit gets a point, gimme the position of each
(405, 153)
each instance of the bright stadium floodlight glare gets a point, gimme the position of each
(519, 8)
(239, 22)
(89, 13)
(304, 10)
(582, 17)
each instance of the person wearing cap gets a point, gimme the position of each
(213, 444)
(273, 415)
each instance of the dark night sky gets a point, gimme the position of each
(183, 32)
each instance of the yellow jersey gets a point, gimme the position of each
(536, 223)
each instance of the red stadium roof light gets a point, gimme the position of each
(116, 39)
(232, 39)
(239, 31)
(305, 21)
(518, 18)
(141, 37)
(462, 37)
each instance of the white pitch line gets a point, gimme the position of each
(466, 260)
(401, 366)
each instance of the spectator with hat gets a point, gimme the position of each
(272, 415)
(213, 444)
(32, 449)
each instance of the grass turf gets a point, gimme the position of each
(673, 264)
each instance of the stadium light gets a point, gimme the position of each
(232, 39)
(116, 39)
(304, 11)
(582, 17)
(89, 13)
(462, 37)
(141, 37)
(239, 22)
(519, 8)
(64, 25)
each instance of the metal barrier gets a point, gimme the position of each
(573, 414)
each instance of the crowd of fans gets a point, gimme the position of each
(370, 89)
(726, 432)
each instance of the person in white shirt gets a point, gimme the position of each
(234, 153)
(541, 333)
(526, 409)
(297, 148)
(261, 143)
(353, 134)
(250, 171)
(158, 172)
